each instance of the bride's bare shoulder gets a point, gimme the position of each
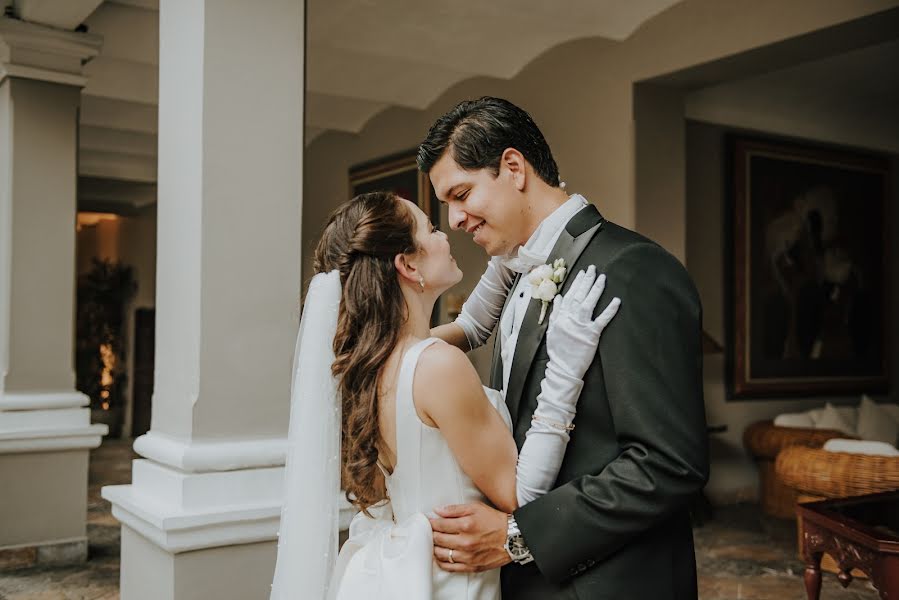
(441, 360)
(445, 373)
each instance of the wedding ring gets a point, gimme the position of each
(452, 562)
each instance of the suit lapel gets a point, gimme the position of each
(571, 243)
(496, 374)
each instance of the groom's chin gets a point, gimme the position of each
(496, 247)
(490, 250)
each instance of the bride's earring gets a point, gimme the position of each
(421, 282)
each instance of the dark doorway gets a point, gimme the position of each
(144, 346)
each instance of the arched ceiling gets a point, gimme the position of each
(363, 56)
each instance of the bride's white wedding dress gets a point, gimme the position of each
(392, 558)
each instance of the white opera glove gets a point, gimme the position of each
(572, 329)
(483, 307)
(573, 335)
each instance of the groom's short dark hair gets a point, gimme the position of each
(477, 132)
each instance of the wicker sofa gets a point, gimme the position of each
(765, 441)
(816, 474)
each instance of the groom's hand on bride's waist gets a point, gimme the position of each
(476, 534)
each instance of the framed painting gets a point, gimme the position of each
(810, 274)
(396, 173)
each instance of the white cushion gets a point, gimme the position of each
(831, 418)
(875, 423)
(861, 447)
(850, 415)
(803, 420)
(816, 414)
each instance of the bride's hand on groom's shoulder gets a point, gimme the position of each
(476, 535)
(572, 336)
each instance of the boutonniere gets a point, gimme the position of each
(546, 280)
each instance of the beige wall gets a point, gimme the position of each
(659, 166)
(582, 94)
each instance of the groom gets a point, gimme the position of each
(616, 525)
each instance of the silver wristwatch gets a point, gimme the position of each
(515, 546)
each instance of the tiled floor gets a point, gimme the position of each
(741, 555)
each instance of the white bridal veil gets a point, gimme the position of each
(307, 542)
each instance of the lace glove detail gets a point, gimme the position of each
(571, 341)
(483, 307)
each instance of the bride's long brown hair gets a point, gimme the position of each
(360, 240)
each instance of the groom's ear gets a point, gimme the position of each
(406, 269)
(513, 165)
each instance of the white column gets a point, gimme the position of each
(201, 515)
(45, 429)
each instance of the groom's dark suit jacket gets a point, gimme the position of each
(616, 525)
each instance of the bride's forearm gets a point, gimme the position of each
(547, 439)
(481, 311)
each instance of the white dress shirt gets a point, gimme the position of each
(536, 252)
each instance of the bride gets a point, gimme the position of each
(405, 414)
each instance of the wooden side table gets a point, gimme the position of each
(859, 533)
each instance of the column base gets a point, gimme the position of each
(190, 495)
(47, 421)
(196, 511)
(44, 498)
(200, 519)
(236, 572)
(45, 440)
(197, 523)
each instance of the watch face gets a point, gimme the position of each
(517, 548)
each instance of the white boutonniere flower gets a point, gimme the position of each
(546, 281)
